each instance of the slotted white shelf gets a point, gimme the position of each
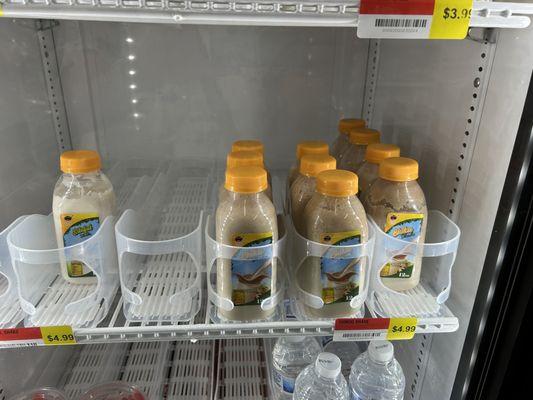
(417, 301)
(192, 372)
(337, 13)
(10, 311)
(242, 371)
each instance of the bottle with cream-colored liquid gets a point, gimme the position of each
(354, 155)
(246, 159)
(398, 206)
(368, 171)
(246, 218)
(342, 142)
(308, 147)
(83, 198)
(334, 216)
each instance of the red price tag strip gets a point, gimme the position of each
(414, 19)
(362, 329)
(43, 336)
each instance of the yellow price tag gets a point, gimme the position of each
(1, 12)
(58, 335)
(451, 19)
(401, 328)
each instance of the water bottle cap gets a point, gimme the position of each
(381, 351)
(328, 365)
(295, 339)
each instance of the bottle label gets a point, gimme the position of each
(404, 226)
(251, 271)
(77, 228)
(340, 276)
(284, 383)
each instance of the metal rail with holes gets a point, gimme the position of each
(341, 13)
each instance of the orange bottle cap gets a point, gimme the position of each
(312, 164)
(248, 145)
(244, 159)
(377, 152)
(398, 169)
(337, 183)
(80, 161)
(347, 124)
(250, 179)
(311, 147)
(364, 136)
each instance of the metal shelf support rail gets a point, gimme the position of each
(333, 13)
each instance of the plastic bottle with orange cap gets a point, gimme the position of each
(334, 216)
(354, 155)
(368, 171)
(246, 218)
(83, 199)
(342, 142)
(397, 204)
(307, 147)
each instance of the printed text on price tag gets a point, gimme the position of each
(363, 329)
(43, 336)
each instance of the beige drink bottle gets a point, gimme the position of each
(246, 159)
(368, 171)
(334, 216)
(397, 204)
(342, 141)
(246, 218)
(307, 147)
(304, 186)
(354, 155)
(83, 198)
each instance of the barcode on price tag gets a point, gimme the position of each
(38, 336)
(364, 329)
(414, 19)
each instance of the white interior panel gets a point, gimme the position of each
(28, 148)
(198, 88)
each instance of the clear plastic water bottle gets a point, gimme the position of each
(322, 380)
(290, 356)
(376, 374)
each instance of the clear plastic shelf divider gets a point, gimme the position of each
(438, 254)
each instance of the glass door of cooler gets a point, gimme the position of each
(163, 92)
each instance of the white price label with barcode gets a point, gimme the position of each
(381, 26)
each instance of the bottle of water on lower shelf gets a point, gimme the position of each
(290, 356)
(376, 374)
(322, 380)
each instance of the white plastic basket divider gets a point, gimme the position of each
(147, 367)
(160, 251)
(47, 298)
(192, 371)
(438, 256)
(95, 364)
(242, 371)
(274, 254)
(10, 312)
(304, 251)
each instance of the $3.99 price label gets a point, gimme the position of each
(363, 329)
(414, 19)
(38, 336)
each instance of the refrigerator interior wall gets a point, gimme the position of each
(28, 146)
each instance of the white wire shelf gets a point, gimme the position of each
(340, 13)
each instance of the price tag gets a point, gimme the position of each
(414, 19)
(58, 335)
(30, 337)
(363, 329)
(451, 19)
(401, 328)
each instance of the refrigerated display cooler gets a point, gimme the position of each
(161, 89)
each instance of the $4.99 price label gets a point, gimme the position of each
(38, 336)
(414, 19)
(362, 329)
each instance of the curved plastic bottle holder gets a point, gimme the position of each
(438, 256)
(266, 255)
(10, 312)
(45, 296)
(306, 254)
(114, 391)
(160, 250)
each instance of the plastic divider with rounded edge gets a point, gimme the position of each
(45, 296)
(160, 249)
(438, 256)
(10, 311)
(274, 253)
(303, 253)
